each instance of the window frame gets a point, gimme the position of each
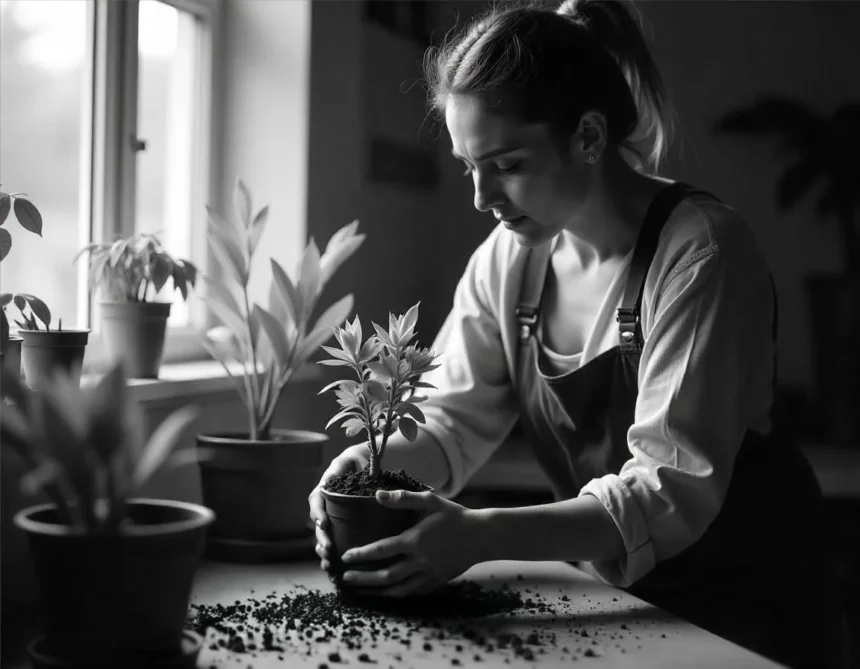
(109, 158)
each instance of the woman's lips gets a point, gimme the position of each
(511, 223)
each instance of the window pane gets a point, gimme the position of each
(166, 103)
(42, 92)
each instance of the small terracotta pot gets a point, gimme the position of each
(359, 520)
(43, 352)
(134, 332)
(122, 595)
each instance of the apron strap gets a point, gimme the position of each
(661, 207)
(534, 273)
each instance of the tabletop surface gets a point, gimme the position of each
(564, 616)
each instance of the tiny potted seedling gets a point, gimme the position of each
(378, 403)
(114, 570)
(131, 273)
(38, 350)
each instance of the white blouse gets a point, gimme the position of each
(705, 377)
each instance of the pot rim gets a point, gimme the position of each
(341, 495)
(21, 333)
(204, 517)
(303, 437)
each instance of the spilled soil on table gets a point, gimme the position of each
(462, 622)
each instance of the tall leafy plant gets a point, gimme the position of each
(32, 309)
(269, 343)
(822, 152)
(382, 399)
(135, 269)
(85, 446)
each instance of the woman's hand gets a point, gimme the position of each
(353, 459)
(446, 542)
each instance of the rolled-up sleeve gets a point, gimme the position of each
(703, 378)
(473, 407)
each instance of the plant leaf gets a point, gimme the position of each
(5, 243)
(162, 268)
(224, 228)
(354, 426)
(242, 203)
(179, 280)
(229, 256)
(257, 227)
(405, 408)
(28, 216)
(289, 296)
(324, 328)
(379, 369)
(309, 281)
(408, 428)
(349, 383)
(334, 363)
(377, 391)
(161, 443)
(333, 258)
(105, 430)
(342, 414)
(5, 206)
(227, 316)
(407, 324)
(337, 353)
(277, 337)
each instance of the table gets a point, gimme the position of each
(594, 626)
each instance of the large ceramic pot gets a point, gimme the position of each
(259, 492)
(360, 520)
(115, 600)
(134, 333)
(43, 352)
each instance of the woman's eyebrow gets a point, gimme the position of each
(489, 154)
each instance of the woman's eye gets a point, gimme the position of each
(507, 168)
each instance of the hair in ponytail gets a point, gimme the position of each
(551, 66)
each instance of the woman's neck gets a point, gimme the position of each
(607, 225)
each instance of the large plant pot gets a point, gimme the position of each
(259, 492)
(358, 520)
(11, 357)
(834, 303)
(116, 600)
(44, 352)
(134, 333)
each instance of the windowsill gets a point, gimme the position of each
(192, 379)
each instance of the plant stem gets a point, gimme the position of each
(253, 381)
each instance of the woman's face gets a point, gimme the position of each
(520, 172)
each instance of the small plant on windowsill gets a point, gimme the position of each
(130, 273)
(263, 511)
(126, 563)
(39, 350)
(380, 402)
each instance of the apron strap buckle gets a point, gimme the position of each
(628, 321)
(527, 318)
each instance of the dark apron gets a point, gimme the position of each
(756, 577)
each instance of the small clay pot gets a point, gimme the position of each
(360, 520)
(134, 332)
(44, 352)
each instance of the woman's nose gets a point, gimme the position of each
(487, 193)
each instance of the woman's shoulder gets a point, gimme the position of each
(701, 227)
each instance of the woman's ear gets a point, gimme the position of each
(589, 141)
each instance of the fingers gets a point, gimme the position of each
(416, 584)
(403, 499)
(388, 576)
(317, 509)
(378, 550)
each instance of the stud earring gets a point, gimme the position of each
(592, 159)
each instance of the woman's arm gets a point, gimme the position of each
(570, 530)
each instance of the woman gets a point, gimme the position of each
(628, 323)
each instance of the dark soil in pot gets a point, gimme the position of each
(357, 519)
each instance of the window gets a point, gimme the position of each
(105, 111)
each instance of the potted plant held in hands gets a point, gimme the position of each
(114, 571)
(262, 504)
(378, 403)
(131, 273)
(39, 351)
